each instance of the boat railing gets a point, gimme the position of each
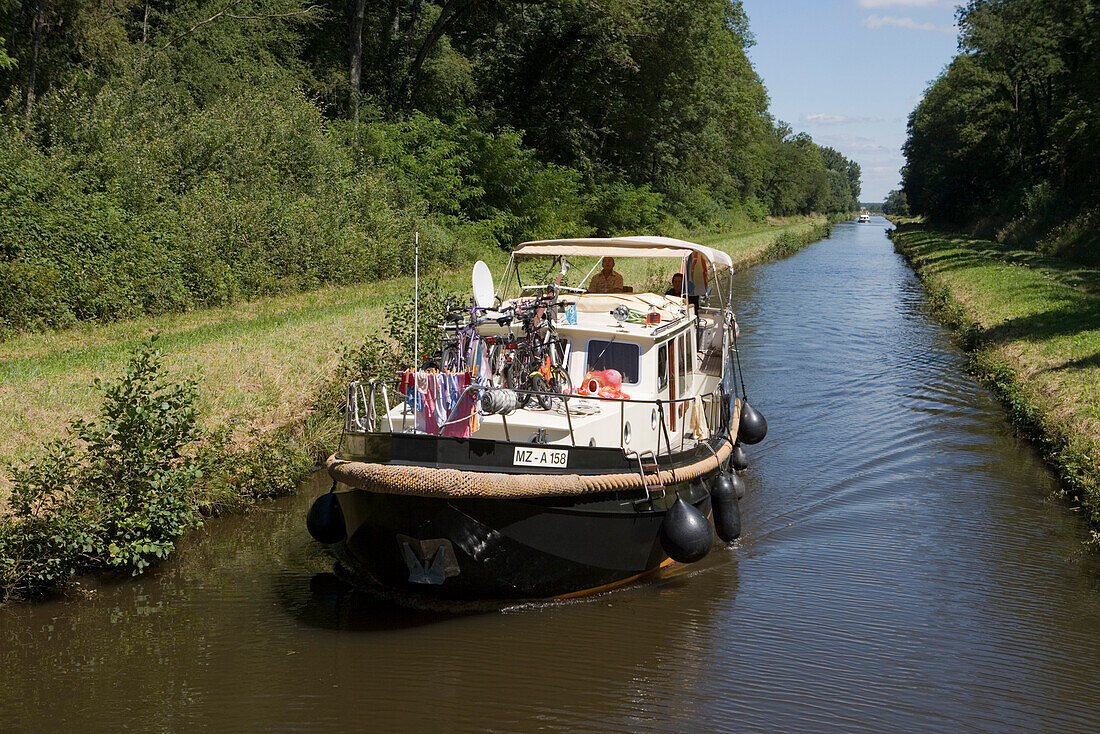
(362, 416)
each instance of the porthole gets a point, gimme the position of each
(626, 433)
(653, 419)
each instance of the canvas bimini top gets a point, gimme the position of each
(623, 247)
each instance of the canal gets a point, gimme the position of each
(903, 566)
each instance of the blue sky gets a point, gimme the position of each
(849, 72)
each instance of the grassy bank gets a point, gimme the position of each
(1032, 327)
(260, 365)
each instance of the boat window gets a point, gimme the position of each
(691, 349)
(681, 366)
(662, 366)
(612, 355)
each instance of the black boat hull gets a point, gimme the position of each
(479, 548)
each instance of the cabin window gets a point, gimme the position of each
(662, 366)
(691, 353)
(682, 365)
(612, 355)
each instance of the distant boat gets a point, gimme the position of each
(864, 218)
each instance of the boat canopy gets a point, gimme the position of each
(623, 247)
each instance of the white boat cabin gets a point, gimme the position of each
(671, 348)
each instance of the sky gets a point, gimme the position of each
(849, 72)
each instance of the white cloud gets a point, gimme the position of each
(853, 143)
(821, 118)
(893, 3)
(880, 21)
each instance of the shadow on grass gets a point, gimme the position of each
(1067, 320)
(971, 251)
(1057, 294)
(1084, 363)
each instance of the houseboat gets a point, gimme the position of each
(574, 432)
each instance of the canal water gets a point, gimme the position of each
(903, 568)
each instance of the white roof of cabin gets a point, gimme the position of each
(623, 247)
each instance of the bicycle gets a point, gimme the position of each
(458, 339)
(537, 362)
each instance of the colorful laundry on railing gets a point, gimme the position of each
(439, 402)
(463, 411)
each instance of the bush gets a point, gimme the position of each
(616, 207)
(115, 493)
(788, 243)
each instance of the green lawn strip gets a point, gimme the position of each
(261, 364)
(1032, 326)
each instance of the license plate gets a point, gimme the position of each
(541, 457)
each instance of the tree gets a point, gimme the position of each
(958, 157)
(1007, 139)
(896, 204)
(6, 62)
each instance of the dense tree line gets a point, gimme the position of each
(896, 203)
(1007, 140)
(159, 155)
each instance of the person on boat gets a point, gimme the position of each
(607, 280)
(677, 287)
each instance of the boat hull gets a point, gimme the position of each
(480, 548)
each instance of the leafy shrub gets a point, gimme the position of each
(405, 351)
(615, 206)
(787, 243)
(755, 210)
(115, 493)
(238, 471)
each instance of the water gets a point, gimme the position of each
(902, 568)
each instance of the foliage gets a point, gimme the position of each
(6, 62)
(1005, 140)
(238, 471)
(115, 493)
(401, 316)
(803, 177)
(161, 158)
(896, 204)
(789, 242)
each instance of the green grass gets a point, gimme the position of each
(261, 363)
(1032, 324)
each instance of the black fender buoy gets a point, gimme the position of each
(752, 427)
(325, 521)
(686, 536)
(738, 485)
(739, 457)
(723, 503)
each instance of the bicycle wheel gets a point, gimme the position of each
(449, 353)
(561, 384)
(497, 363)
(541, 385)
(519, 378)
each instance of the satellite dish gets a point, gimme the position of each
(484, 292)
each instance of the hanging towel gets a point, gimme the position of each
(413, 399)
(438, 395)
(484, 373)
(455, 385)
(698, 419)
(461, 424)
(426, 406)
